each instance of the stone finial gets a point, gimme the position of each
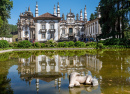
(63, 17)
(54, 13)
(29, 8)
(70, 10)
(77, 17)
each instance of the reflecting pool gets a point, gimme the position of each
(47, 72)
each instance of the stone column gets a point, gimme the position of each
(22, 35)
(92, 29)
(97, 28)
(36, 32)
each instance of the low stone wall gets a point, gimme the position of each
(8, 39)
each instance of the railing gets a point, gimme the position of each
(52, 30)
(43, 30)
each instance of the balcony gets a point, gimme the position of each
(71, 34)
(43, 30)
(52, 30)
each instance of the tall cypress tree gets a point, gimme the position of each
(114, 17)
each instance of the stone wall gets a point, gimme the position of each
(8, 39)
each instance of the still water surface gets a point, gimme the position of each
(47, 72)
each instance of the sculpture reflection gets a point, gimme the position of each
(54, 68)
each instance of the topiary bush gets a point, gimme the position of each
(43, 45)
(37, 44)
(61, 44)
(24, 44)
(66, 44)
(4, 44)
(79, 44)
(71, 43)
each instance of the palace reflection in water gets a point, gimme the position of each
(54, 68)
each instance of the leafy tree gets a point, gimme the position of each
(114, 13)
(13, 29)
(5, 7)
(1, 21)
(92, 17)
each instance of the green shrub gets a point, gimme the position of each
(24, 44)
(100, 45)
(51, 43)
(91, 44)
(4, 44)
(42, 45)
(113, 41)
(61, 44)
(13, 44)
(79, 44)
(101, 41)
(37, 44)
(71, 43)
(66, 44)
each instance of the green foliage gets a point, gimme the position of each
(4, 44)
(50, 43)
(92, 17)
(80, 44)
(43, 45)
(1, 22)
(100, 45)
(91, 44)
(61, 44)
(114, 13)
(13, 29)
(14, 44)
(37, 44)
(24, 44)
(113, 41)
(25, 54)
(127, 34)
(4, 57)
(5, 7)
(71, 43)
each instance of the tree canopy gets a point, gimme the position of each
(5, 7)
(114, 17)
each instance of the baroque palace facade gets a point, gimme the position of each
(52, 26)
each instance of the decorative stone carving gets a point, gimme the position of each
(76, 79)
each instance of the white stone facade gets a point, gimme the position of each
(52, 26)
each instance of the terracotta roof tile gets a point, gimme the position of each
(48, 15)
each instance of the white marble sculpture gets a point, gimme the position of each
(76, 79)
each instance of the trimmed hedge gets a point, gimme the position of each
(37, 44)
(24, 44)
(4, 44)
(80, 44)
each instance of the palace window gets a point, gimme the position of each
(43, 27)
(52, 26)
(43, 35)
(26, 32)
(52, 35)
(63, 31)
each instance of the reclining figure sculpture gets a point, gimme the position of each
(76, 79)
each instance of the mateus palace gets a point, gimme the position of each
(54, 26)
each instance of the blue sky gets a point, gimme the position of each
(48, 5)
